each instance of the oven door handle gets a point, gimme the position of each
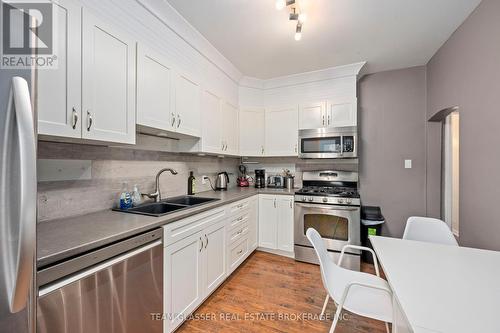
(327, 207)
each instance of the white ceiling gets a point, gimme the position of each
(388, 34)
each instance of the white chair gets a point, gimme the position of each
(361, 293)
(426, 229)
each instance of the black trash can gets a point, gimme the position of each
(371, 225)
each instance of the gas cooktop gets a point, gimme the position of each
(330, 191)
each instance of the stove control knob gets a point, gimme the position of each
(348, 201)
(325, 199)
(341, 201)
(311, 199)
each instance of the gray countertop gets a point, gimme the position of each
(64, 238)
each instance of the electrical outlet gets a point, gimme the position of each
(204, 180)
(407, 164)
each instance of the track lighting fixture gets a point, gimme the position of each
(294, 15)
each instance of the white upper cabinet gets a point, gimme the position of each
(252, 132)
(154, 81)
(332, 113)
(108, 76)
(211, 140)
(312, 115)
(187, 106)
(59, 90)
(230, 133)
(282, 131)
(342, 112)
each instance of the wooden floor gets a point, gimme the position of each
(266, 287)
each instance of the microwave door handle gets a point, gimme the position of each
(19, 254)
(341, 145)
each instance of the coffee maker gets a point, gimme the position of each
(260, 178)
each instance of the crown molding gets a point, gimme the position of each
(355, 69)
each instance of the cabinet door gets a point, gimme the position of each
(211, 139)
(312, 115)
(183, 279)
(282, 131)
(59, 90)
(252, 132)
(342, 113)
(253, 224)
(187, 106)
(230, 131)
(215, 256)
(154, 79)
(108, 82)
(285, 223)
(268, 220)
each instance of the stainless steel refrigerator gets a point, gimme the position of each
(18, 193)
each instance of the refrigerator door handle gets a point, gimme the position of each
(19, 250)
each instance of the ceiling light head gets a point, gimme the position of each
(280, 4)
(298, 32)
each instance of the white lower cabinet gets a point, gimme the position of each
(214, 250)
(201, 251)
(276, 222)
(195, 263)
(183, 279)
(253, 223)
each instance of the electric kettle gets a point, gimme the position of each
(221, 181)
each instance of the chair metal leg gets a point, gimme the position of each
(336, 318)
(324, 306)
(387, 328)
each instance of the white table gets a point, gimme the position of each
(440, 288)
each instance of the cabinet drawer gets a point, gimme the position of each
(239, 220)
(239, 206)
(237, 233)
(238, 252)
(176, 231)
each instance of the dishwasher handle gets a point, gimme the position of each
(92, 270)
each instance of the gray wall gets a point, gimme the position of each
(465, 72)
(392, 119)
(111, 167)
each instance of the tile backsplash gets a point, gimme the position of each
(111, 167)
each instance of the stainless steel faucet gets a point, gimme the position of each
(156, 195)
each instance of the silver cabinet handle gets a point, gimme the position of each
(206, 244)
(274, 203)
(178, 120)
(291, 204)
(89, 121)
(262, 150)
(173, 119)
(240, 232)
(240, 251)
(323, 120)
(75, 118)
(328, 122)
(222, 146)
(201, 241)
(22, 213)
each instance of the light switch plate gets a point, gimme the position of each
(407, 164)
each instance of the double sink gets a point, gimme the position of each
(168, 206)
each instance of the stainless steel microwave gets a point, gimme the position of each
(333, 142)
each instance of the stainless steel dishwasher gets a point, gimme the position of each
(115, 289)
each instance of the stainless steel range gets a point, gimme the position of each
(328, 202)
